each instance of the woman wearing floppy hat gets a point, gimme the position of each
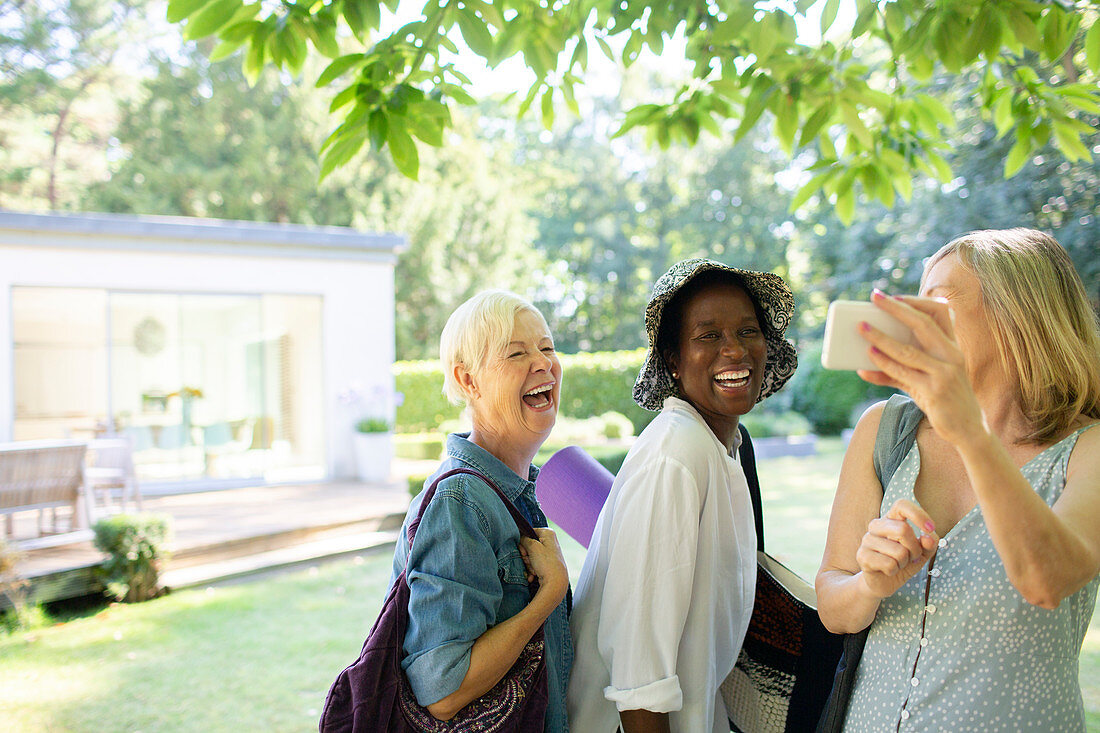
(666, 591)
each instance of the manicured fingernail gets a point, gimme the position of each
(929, 526)
(875, 350)
(876, 293)
(864, 326)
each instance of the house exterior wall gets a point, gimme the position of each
(356, 284)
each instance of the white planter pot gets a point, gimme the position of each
(373, 453)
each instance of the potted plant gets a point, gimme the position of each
(373, 435)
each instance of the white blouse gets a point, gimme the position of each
(667, 587)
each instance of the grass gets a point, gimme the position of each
(260, 655)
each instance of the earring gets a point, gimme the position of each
(676, 375)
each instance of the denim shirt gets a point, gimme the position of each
(466, 575)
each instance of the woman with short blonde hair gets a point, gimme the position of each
(472, 612)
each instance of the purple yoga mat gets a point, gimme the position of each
(571, 488)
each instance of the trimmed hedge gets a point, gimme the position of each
(593, 385)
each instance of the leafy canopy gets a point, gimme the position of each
(875, 124)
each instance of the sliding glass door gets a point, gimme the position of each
(208, 387)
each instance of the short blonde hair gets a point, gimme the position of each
(1043, 326)
(480, 326)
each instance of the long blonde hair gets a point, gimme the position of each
(1044, 329)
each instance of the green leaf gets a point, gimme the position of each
(766, 37)
(257, 53)
(606, 48)
(855, 126)
(339, 67)
(828, 14)
(341, 152)
(1092, 46)
(937, 108)
(1002, 113)
(640, 115)
(1069, 143)
(323, 38)
(239, 31)
(689, 124)
(378, 128)
(474, 32)
(762, 90)
(816, 121)
(570, 98)
(1056, 28)
(180, 9)
(1023, 27)
(846, 205)
(212, 17)
(457, 93)
(548, 108)
(812, 186)
(865, 18)
(786, 123)
(632, 47)
(1017, 156)
(903, 183)
(939, 166)
(344, 97)
(580, 55)
(427, 129)
(529, 99)
(225, 49)
(402, 148)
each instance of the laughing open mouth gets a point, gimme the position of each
(539, 397)
(733, 378)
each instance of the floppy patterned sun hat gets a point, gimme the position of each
(770, 294)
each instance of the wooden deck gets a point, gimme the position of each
(234, 532)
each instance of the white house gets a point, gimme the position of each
(226, 350)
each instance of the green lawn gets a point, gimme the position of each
(260, 655)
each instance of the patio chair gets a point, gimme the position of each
(111, 468)
(571, 488)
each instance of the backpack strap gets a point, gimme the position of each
(747, 456)
(897, 429)
(524, 526)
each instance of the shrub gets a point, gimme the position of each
(418, 446)
(137, 547)
(763, 424)
(424, 407)
(416, 485)
(13, 586)
(828, 398)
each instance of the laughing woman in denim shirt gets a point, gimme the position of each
(470, 610)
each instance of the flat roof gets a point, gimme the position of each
(186, 234)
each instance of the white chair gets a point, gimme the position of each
(111, 467)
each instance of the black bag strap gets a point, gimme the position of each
(524, 526)
(747, 456)
(897, 429)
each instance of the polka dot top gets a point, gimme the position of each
(957, 648)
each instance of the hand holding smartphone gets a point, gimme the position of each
(844, 347)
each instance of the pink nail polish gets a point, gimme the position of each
(929, 526)
(876, 293)
(864, 326)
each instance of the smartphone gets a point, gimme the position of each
(844, 347)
